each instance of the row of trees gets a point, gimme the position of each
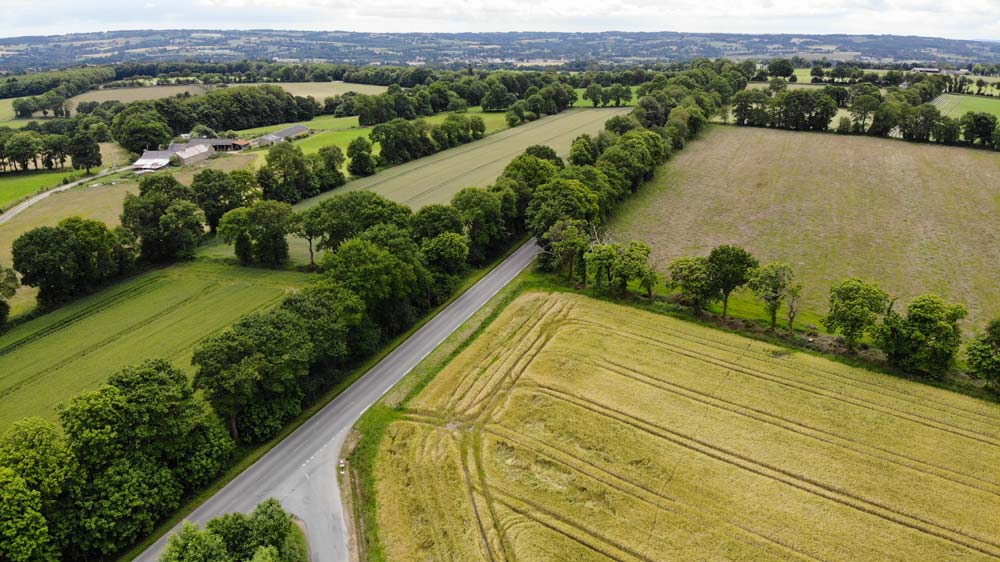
(124, 457)
(549, 100)
(907, 114)
(598, 95)
(268, 534)
(30, 149)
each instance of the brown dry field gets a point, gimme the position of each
(915, 218)
(576, 429)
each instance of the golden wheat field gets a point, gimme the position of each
(574, 429)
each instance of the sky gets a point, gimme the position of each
(961, 19)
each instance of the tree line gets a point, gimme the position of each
(907, 114)
(384, 267)
(62, 83)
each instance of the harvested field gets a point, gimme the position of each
(575, 429)
(162, 313)
(323, 90)
(954, 105)
(126, 95)
(916, 218)
(437, 178)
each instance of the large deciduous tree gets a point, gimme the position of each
(855, 306)
(729, 268)
(926, 340)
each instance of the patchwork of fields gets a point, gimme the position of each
(954, 105)
(162, 313)
(916, 218)
(574, 429)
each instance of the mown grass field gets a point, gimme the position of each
(954, 105)
(575, 429)
(163, 313)
(916, 218)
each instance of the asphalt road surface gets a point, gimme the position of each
(301, 471)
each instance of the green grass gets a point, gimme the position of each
(163, 313)
(571, 422)
(915, 218)
(954, 105)
(18, 185)
(321, 123)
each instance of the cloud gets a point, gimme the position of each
(966, 19)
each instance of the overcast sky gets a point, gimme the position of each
(963, 19)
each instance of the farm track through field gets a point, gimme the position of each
(819, 372)
(798, 481)
(799, 428)
(797, 384)
(550, 408)
(637, 490)
(501, 354)
(575, 532)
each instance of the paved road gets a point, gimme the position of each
(17, 209)
(301, 470)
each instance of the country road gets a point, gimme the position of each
(301, 471)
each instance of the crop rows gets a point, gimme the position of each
(621, 435)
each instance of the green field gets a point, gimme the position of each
(17, 186)
(915, 218)
(954, 105)
(321, 123)
(163, 313)
(575, 429)
(435, 179)
(340, 136)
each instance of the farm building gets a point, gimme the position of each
(177, 154)
(222, 145)
(288, 134)
(152, 160)
(191, 154)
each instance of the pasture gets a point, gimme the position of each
(915, 218)
(162, 313)
(575, 429)
(18, 185)
(954, 105)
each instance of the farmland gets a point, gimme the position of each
(17, 186)
(954, 105)
(126, 95)
(916, 218)
(573, 429)
(322, 90)
(437, 178)
(162, 313)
